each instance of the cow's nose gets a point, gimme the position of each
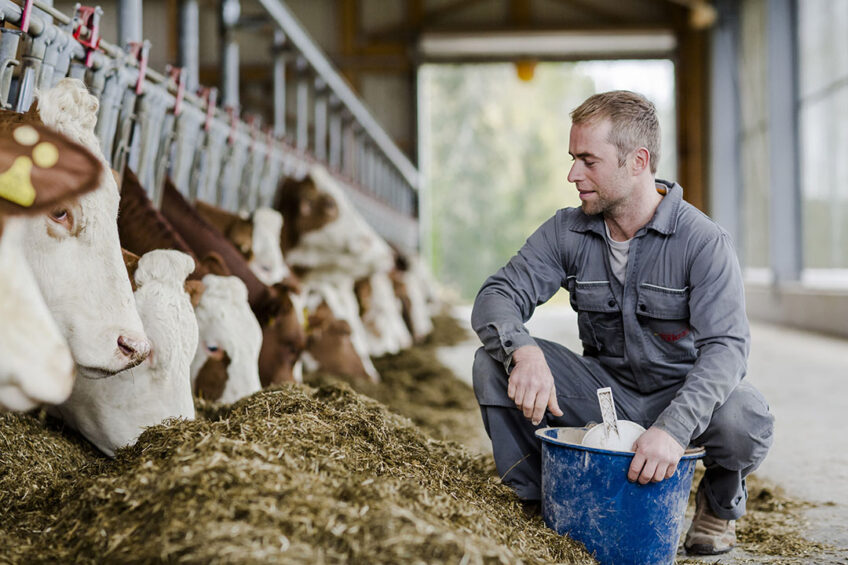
(136, 350)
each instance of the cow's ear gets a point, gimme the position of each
(240, 233)
(290, 283)
(214, 264)
(131, 263)
(195, 291)
(270, 304)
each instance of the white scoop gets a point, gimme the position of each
(628, 432)
(613, 434)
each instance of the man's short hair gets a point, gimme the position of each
(633, 118)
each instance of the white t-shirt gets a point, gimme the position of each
(618, 251)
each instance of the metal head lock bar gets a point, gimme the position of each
(157, 125)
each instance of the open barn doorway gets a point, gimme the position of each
(493, 142)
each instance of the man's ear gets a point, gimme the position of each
(641, 161)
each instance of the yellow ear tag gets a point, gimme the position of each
(305, 319)
(45, 155)
(16, 185)
(25, 135)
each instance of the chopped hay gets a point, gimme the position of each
(416, 385)
(304, 475)
(292, 474)
(772, 529)
(774, 524)
(447, 331)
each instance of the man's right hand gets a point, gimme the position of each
(531, 384)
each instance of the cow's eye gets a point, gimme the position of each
(62, 216)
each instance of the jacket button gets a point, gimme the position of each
(508, 343)
(642, 307)
(611, 303)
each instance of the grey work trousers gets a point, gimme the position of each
(736, 440)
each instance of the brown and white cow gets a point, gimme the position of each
(256, 237)
(330, 245)
(39, 171)
(329, 347)
(275, 307)
(75, 255)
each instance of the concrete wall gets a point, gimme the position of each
(818, 310)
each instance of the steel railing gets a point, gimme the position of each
(160, 124)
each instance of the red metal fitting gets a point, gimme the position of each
(88, 18)
(25, 12)
(177, 75)
(269, 141)
(140, 52)
(210, 96)
(233, 113)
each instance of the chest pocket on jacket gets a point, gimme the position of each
(664, 316)
(598, 317)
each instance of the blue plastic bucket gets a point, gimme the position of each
(586, 495)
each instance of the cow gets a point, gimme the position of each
(75, 255)
(276, 307)
(232, 330)
(142, 228)
(39, 170)
(111, 413)
(381, 314)
(414, 288)
(256, 237)
(329, 347)
(328, 243)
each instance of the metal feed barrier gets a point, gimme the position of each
(164, 124)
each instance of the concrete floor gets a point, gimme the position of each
(803, 376)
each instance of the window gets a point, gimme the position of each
(823, 122)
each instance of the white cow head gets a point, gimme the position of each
(228, 327)
(76, 257)
(113, 412)
(35, 362)
(386, 331)
(267, 263)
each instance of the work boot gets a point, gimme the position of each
(709, 534)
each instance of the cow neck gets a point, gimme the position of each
(203, 239)
(142, 228)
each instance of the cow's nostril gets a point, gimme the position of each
(136, 350)
(125, 347)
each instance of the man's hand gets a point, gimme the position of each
(657, 455)
(531, 384)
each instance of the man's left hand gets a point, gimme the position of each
(657, 455)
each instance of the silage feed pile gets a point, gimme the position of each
(305, 475)
(291, 475)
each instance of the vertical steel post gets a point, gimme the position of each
(229, 14)
(129, 22)
(348, 145)
(784, 228)
(189, 47)
(280, 55)
(320, 122)
(335, 158)
(302, 104)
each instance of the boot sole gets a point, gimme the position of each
(703, 549)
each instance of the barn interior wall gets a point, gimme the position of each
(816, 298)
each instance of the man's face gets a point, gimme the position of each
(604, 187)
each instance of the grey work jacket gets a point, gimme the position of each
(679, 318)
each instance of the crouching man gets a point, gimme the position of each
(660, 307)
